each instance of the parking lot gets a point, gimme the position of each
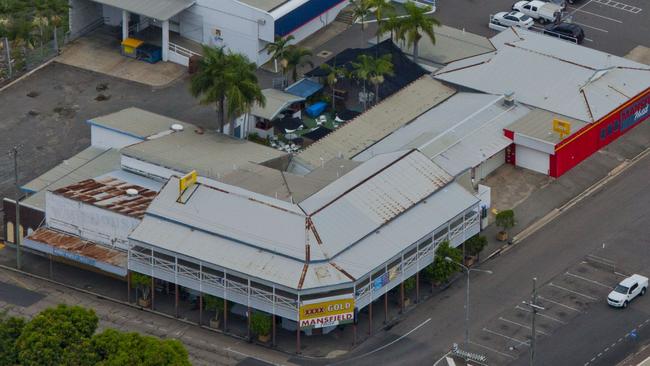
(585, 285)
(612, 26)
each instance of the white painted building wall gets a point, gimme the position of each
(104, 138)
(88, 222)
(82, 14)
(318, 23)
(112, 15)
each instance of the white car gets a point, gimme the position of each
(539, 10)
(627, 290)
(512, 19)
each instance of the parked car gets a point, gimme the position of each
(627, 290)
(511, 19)
(539, 10)
(567, 31)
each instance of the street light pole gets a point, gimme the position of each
(467, 271)
(14, 151)
(534, 309)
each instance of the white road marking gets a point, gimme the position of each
(601, 258)
(588, 280)
(560, 304)
(573, 292)
(620, 6)
(522, 325)
(596, 15)
(621, 274)
(526, 343)
(599, 261)
(588, 39)
(385, 345)
(592, 27)
(539, 314)
(493, 350)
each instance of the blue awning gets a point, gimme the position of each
(304, 88)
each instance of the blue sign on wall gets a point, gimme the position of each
(302, 15)
(380, 281)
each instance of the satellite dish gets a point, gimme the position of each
(177, 127)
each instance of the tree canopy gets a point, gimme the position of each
(65, 335)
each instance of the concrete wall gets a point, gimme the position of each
(105, 138)
(82, 14)
(88, 222)
(147, 169)
(112, 15)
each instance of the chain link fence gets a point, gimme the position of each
(19, 57)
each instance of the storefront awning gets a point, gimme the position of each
(276, 102)
(75, 249)
(157, 9)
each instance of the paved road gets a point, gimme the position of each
(573, 243)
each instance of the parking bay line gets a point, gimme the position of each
(592, 27)
(601, 258)
(560, 304)
(542, 315)
(526, 343)
(596, 15)
(574, 292)
(493, 350)
(522, 325)
(588, 280)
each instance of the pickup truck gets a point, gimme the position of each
(627, 290)
(539, 10)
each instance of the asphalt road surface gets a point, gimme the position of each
(576, 259)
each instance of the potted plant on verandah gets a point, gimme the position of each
(142, 283)
(505, 220)
(216, 304)
(261, 324)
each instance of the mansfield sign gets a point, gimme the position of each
(327, 312)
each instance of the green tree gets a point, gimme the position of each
(505, 220)
(391, 25)
(261, 323)
(415, 24)
(10, 329)
(379, 8)
(334, 75)
(52, 337)
(229, 80)
(277, 50)
(475, 244)
(297, 57)
(213, 303)
(360, 11)
(142, 283)
(374, 70)
(440, 270)
(115, 348)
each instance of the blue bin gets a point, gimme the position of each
(149, 53)
(316, 109)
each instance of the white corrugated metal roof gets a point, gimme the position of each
(458, 134)
(157, 9)
(136, 122)
(551, 74)
(276, 102)
(268, 238)
(379, 121)
(538, 124)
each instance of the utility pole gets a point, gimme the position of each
(14, 152)
(534, 309)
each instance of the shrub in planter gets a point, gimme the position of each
(474, 245)
(216, 304)
(505, 220)
(142, 283)
(261, 324)
(440, 270)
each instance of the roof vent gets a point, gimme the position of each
(509, 99)
(177, 127)
(132, 192)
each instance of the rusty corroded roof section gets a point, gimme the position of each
(75, 245)
(111, 194)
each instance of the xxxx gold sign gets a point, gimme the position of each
(327, 312)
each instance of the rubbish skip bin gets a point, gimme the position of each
(130, 47)
(149, 53)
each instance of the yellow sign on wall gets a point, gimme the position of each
(562, 127)
(327, 312)
(187, 181)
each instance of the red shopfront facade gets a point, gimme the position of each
(593, 137)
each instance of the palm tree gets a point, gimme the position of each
(360, 10)
(278, 49)
(415, 24)
(229, 80)
(296, 57)
(334, 74)
(368, 68)
(392, 25)
(380, 6)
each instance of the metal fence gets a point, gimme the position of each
(17, 58)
